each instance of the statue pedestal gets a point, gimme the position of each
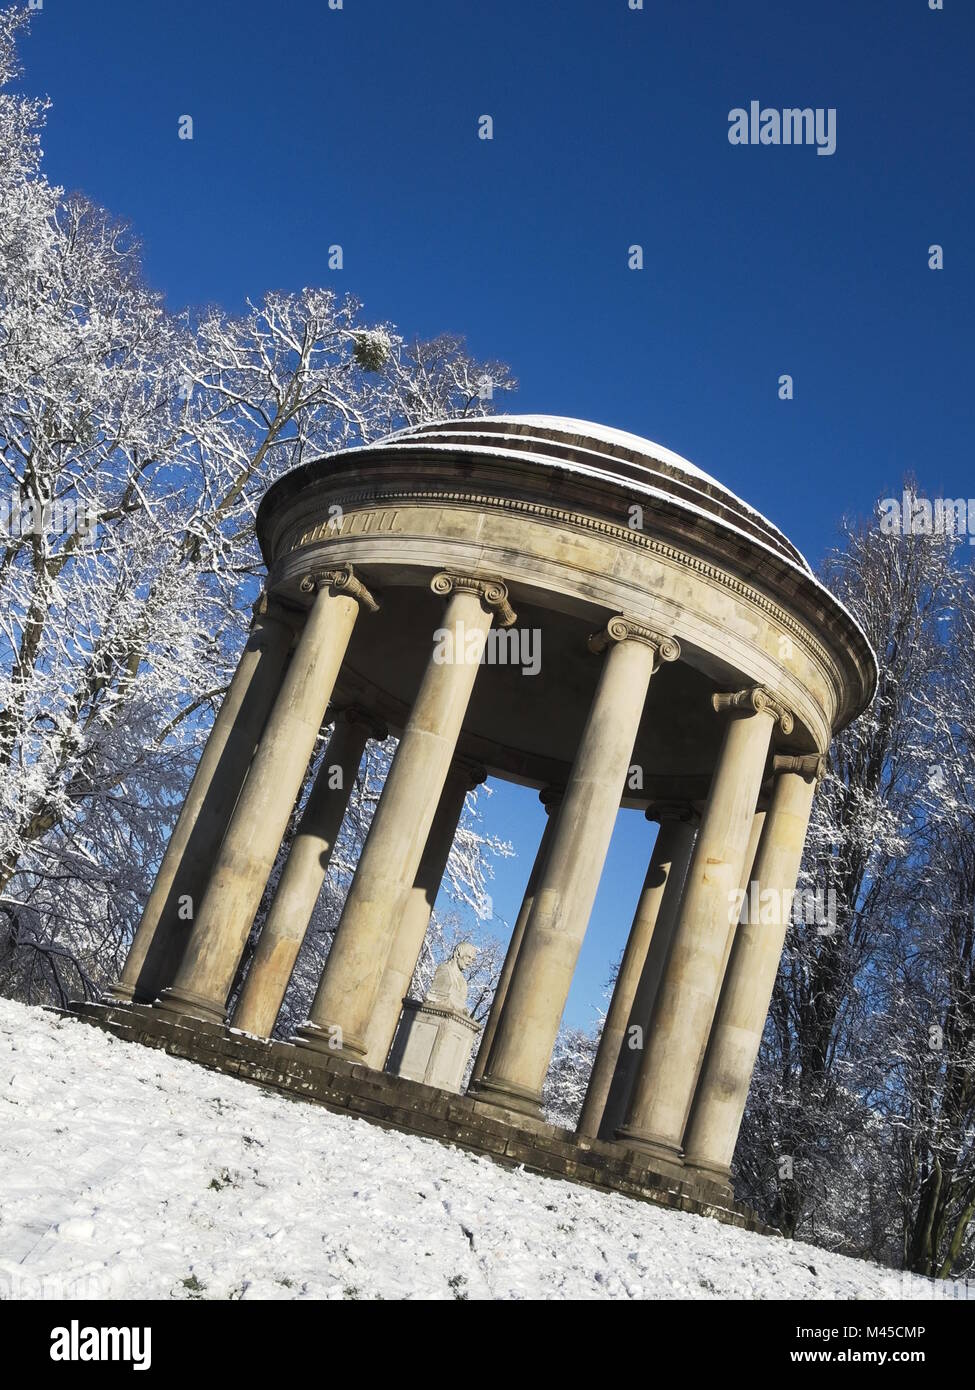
(433, 1044)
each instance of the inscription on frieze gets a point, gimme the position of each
(365, 523)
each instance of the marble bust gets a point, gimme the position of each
(449, 987)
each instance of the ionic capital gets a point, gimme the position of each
(476, 772)
(811, 766)
(493, 593)
(353, 715)
(756, 699)
(551, 798)
(342, 579)
(268, 609)
(624, 629)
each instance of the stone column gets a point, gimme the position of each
(164, 928)
(254, 836)
(754, 836)
(303, 874)
(723, 1088)
(338, 1022)
(415, 911)
(688, 991)
(639, 974)
(560, 912)
(551, 799)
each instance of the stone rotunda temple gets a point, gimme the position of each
(691, 668)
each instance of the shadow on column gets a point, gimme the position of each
(169, 942)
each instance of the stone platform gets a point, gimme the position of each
(396, 1103)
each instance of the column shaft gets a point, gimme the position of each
(723, 1088)
(414, 915)
(338, 1021)
(167, 919)
(747, 878)
(259, 821)
(301, 879)
(560, 912)
(552, 803)
(689, 989)
(636, 984)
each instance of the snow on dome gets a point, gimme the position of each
(587, 429)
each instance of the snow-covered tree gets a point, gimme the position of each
(568, 1075)
(136, 444)
(843, 1048)
(933, 985)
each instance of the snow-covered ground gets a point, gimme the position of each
(125, 1173)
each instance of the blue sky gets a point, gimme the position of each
(359, 126)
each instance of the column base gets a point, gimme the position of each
(654, 1146)
(125, 994)
(120, 994)
(184, 1002)
(321, 1040)
(506, 1096)
(716, 1174)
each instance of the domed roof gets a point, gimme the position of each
(621, 458)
